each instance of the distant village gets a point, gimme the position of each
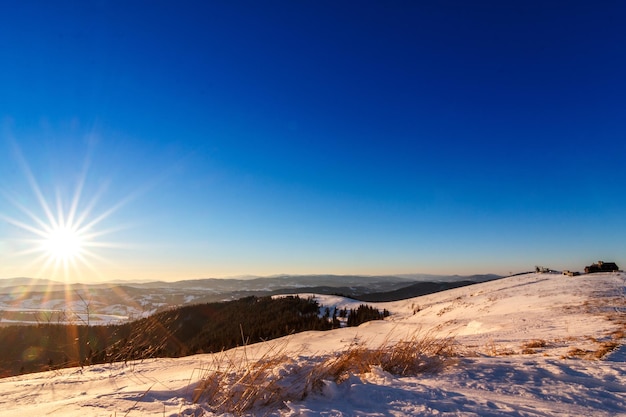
(600, 266)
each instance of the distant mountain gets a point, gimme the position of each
(30, 282)
(254, 283)
(373, 282)
(282, 281)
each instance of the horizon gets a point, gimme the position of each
(166, 141)
(409, 276)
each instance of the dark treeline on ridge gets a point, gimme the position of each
(182, 331)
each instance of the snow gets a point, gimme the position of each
(499, 372)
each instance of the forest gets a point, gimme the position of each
(181, 331)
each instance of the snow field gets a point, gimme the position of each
(520, 341)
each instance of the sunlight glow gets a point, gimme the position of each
(64, 235)
(64, 243)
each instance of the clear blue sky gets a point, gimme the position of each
(222, 138)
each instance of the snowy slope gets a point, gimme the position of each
(528, 346)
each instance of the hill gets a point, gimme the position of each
(31, 301)
(529, 345)
(414, 290)
(181, 331)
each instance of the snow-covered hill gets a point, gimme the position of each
(529, 346)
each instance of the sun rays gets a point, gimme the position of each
(61, 235)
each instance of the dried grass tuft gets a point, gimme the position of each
(577, 352)
(493, 349)
(536, 343)
(604, 349)
(234, 384)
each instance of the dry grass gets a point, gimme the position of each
(577, 352)
(493, 349)
(530, 348)
(413, 355)
(236, 385)
(604, 349)
(536, 343)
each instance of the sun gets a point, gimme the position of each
(64, 243)
(60, 231)
(63, 239)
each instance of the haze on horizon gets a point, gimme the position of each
(169, 141)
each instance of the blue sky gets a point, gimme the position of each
(227, 138)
